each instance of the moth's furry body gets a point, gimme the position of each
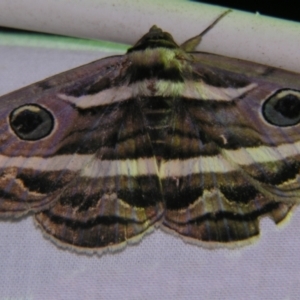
(199, 144)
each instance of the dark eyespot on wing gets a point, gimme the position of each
(282, 108)
(289, 106)
(31, 122)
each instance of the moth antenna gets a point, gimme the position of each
(193, 42)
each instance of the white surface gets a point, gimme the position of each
(243, 35)
(160, 267)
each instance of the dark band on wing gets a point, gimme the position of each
(179, 198)
(98, 232)
(147, 194)
(135, 198)
(223, 226)
(98, 86)
(181, 192)
(92, 222)
(285, 170)
(239, 194)
(140, 191)
(117, 133)
(242, 217)
(133, 146)
(27, 191)
(44, 182)
(101, 220)
(220, 78)
(10, 196)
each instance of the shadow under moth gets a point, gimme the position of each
(199, 144)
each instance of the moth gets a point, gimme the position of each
(199, 144)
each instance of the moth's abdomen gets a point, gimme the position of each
(157, 112)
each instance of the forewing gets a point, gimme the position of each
(74, 149)
(42, 152)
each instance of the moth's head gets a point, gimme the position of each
(155, 38)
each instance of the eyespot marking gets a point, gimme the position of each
(31, 122)
(282, 108)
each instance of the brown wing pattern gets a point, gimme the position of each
(204, 145)
(245, 167)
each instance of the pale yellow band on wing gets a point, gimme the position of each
(262, 154)
(86, 165)
(89, 166)
(164, 88)
(197, 165)
(221, 163)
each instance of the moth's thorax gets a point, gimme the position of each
(175, 58)
(159, 71)
(158, 113)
